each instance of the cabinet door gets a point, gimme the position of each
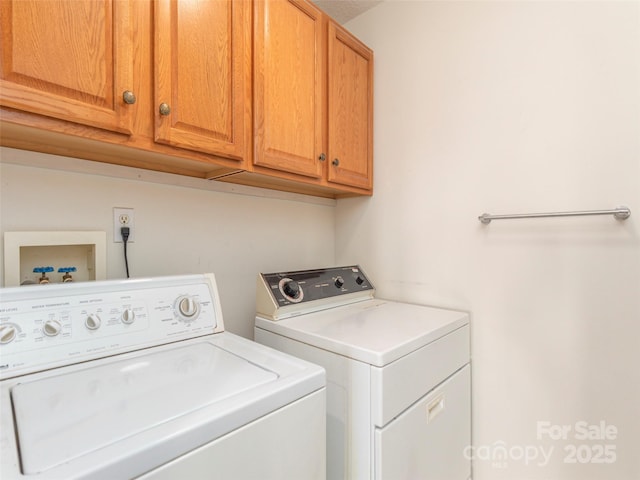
(68, 60)
(203, 74)
(350, 110)
(288, 66)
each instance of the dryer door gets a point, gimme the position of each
(428, 440)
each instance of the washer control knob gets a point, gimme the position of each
(128, 316)
(359, 280)
(8, 332)
(339, 282)
(188, 307)
(93, 321)
(52, 328)
(291, 289)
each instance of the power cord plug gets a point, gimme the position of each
(124, 231)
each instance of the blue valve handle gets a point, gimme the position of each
(42, 269)
(66, 269)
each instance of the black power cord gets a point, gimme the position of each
(124, 231)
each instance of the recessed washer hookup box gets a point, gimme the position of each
(25, 251)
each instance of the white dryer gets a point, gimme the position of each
(138, 379)
(398, 375)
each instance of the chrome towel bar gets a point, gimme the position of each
(621, 213)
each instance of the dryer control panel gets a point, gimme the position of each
(285, 294)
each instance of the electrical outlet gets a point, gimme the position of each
(123, 217)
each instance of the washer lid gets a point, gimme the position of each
(63, 417)
(373, 331)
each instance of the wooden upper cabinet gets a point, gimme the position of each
(202, 76)
(288, 95)
(269, 93)
(313, 96)
(350, 110)
(70, 60)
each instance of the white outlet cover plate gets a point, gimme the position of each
(117, 212)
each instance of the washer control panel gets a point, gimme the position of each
(307, 286)
(43, 326)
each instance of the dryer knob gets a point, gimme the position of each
(93, 322)
(52, 328)
(8, 333)
(291, 289)
(339, 282)
(128, 316)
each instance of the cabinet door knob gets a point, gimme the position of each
(165, 109)
(335, 162)
(129, 97)
(322, 157)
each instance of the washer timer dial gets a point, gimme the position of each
(187, 308)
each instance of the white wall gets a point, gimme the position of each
(179, 229)
(509, 107)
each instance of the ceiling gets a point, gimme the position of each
(344, 10)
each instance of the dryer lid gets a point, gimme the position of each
(63, 417)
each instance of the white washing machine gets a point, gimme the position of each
(398, 375)
(137, 379)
